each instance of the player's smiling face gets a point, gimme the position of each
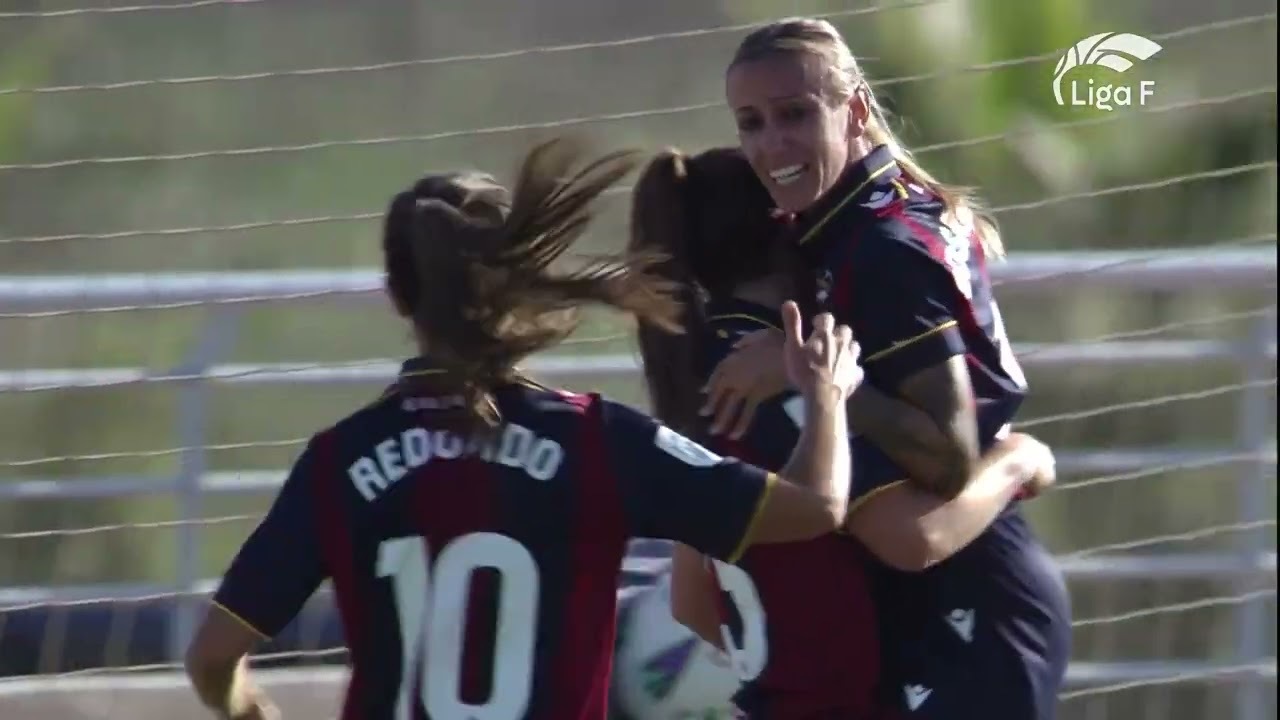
(797, 141)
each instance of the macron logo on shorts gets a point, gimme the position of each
(916, 695)
(962, 621)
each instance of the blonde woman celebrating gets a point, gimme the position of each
(901, 258)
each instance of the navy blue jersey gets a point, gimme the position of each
(803, 630)
(483, 572)
(915, 290)
(775, 429)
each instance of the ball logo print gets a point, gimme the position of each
(663, 669)
(1112, 51)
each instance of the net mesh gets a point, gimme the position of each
(165, 170)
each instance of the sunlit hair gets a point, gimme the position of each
(842, 79)
(470, 264)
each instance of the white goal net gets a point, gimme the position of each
(190, 195)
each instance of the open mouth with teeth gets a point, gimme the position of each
(787, 175)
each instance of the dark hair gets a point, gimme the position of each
(470, 265)
(713, 220)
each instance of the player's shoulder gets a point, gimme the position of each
(619, 417)
(650, 442)
(910, 220)
(528, 394)
(371, 420)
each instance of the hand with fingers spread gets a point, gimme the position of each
(828, 358)
(750, 375)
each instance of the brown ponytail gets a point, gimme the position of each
(660, 224)
(712, 219)
(480, 261)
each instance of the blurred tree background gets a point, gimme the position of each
(945, 68)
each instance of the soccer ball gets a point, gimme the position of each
(662, 670)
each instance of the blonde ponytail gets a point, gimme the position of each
(963, 209)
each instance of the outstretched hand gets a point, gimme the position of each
(828, 358)
(744, 379)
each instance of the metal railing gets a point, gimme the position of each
(1029, 273)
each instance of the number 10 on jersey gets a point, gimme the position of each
(431, 602)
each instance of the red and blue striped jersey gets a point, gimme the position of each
(478, 576)
(823, 646)
(914, 287)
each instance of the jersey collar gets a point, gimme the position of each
(725, 308)
(418, 367)
(857, 182)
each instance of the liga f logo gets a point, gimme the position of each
(1109, 50)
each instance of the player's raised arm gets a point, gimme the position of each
(674, 488)
(275, 572)
(824, 369)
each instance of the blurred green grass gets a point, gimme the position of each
(1035, 151)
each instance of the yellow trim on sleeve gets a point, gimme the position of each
(233, 615)
(857, 504)
(909, 341)
(770, 481)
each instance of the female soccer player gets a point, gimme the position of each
(711, 217)
(901, 257)
(473, 523)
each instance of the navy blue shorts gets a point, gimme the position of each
(985, 634)
(980, 691)
(1003, 657)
